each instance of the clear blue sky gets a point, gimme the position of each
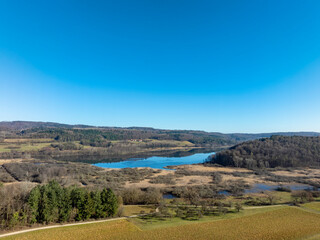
(227, 66)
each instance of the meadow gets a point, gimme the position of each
(129, 210)
(270, 223)
(313, 206)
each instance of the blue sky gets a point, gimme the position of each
(226, 66)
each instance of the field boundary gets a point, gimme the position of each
(69, 225)
(74, 224)
(128, 217)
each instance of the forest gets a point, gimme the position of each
(52, 203)
(276, 151)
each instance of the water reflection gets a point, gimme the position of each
(157, 162)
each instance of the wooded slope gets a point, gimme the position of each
(276, 151)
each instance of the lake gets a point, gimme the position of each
(157, 162)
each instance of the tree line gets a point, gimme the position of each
(52, 203)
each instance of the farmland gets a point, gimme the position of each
(313, 205)
(182, 120)
(204, 200)
(269, 223)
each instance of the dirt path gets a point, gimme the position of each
(122, 218)
(67, 225)
(309, 210)
(73, 224)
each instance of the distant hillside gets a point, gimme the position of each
(66, 132)
(277, 151)
(253, 136)
(23, 125)
(99, 136)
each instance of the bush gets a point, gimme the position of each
(66, 146)
(283, 189)
(302, 196)
(164, 179)
(132, 196)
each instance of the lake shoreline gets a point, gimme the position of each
(157, 162)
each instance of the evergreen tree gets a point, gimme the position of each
(77, 202)
(65, 206)
(53, 203)
(49, 202)
(88, 206)
(34, 201)
(97, 205)
(109, 202)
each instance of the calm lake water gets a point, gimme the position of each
(157, 162)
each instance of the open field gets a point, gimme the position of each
(129, 210)
(313, 206)
(24, 140)
(154, 223)
(23, 146)
(281, 223)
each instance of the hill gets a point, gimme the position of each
(276, 151)
(48, 140)
(79, 132)
(22, 125)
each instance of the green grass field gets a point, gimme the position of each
(312, 205)
(129, 210)
(260, 223)
(152, 223)
(25, 146)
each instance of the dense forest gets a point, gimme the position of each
(276, 151)
(52, 203)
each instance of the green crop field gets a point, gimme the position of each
(280, 223)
